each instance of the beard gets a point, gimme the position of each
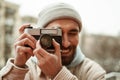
(67, 58)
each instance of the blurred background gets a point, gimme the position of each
(99, 39)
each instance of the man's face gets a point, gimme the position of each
(70, 38)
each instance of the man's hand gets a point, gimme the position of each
(49, 63)
(23, 53)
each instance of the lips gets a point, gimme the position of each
(65, 52)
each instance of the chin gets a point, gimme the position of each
(68, 57)
(65, 63)
(67, 60)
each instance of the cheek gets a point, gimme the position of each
(74, 41)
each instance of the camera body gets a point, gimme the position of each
(45, 36)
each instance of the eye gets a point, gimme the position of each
(73, 32)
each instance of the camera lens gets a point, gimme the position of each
(45, 40)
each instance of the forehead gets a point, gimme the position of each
(63, 24)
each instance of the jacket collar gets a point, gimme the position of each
(78, 58)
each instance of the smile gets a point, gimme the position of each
(65, 51)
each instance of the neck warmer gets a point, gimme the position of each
(78, 58)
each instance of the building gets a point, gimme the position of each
(8, 20)
(103, 49)
(2, 33)
(29, 19)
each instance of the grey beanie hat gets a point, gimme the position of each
(58, 11)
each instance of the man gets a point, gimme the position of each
(68, 63)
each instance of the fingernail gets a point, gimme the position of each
(53, 39)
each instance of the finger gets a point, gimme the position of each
(21, 29)
(26, 35)
(24, 42)
(38, 44)
(41, 51)
(57, 48)
(37, 54)
(40, 59)
(24, 50)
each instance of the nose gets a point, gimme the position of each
(65, 41)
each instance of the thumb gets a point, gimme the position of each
(38, 44)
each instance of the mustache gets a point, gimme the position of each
(66, 48)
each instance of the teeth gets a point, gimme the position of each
(65, 51)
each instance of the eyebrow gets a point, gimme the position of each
(74, 30)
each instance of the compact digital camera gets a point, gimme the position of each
(45, 36)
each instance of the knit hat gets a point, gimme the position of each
(58, 11)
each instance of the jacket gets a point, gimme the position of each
(86, 70)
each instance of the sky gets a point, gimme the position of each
(98, 16)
